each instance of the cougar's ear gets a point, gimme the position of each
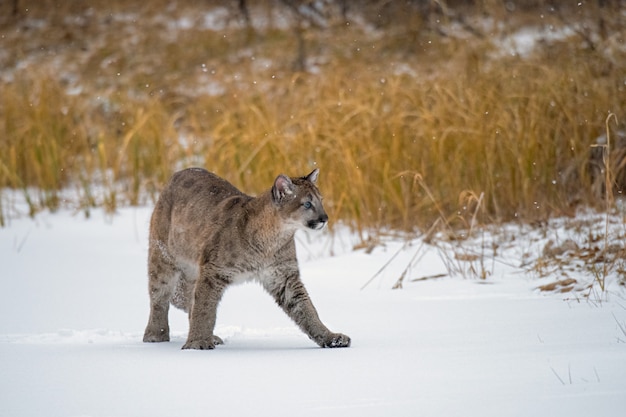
(282, 187)
(312, 177)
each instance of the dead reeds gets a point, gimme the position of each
(113, 122)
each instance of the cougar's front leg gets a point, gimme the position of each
(291, 295)
(207, 294)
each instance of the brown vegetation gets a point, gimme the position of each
(411, 113)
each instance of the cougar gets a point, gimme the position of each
(205, 235)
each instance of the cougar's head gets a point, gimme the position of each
(299, 202)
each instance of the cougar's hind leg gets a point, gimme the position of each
(162, 279)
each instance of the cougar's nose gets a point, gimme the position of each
(323, 218)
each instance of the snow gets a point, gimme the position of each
(524, 41)
(74, 303)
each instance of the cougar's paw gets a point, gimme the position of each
(160, 335)
(205, 344)
(335, 340)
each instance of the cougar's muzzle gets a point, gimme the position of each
(319, 223)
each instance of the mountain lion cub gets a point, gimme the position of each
(205, 234)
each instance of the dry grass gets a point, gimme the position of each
(403, 136)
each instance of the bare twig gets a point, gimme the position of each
(382, 268)
(557, 375)
(621, 326)
(398, 283)
(600, 278)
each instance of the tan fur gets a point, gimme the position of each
(205, 235)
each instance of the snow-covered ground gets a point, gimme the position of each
(73, 306)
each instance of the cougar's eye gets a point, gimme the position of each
(307, 205)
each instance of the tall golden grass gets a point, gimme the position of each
(402, 139)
